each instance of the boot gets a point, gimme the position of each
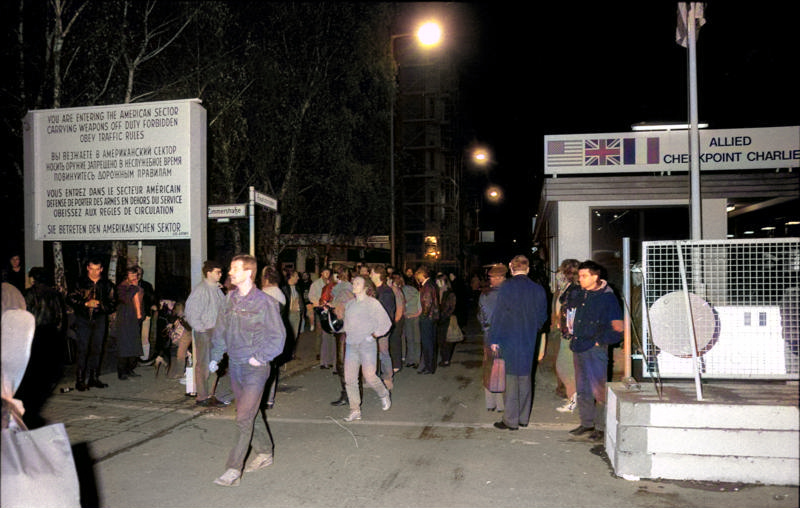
(80, 380)
(94, 381)
(343, 400)
(132, 361)
(122, 369)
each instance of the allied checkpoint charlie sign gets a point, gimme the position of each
(632, 152)
(118, 172)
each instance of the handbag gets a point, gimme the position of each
(494, 373)
(37, 466)
(454, 333)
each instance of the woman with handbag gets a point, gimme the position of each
(447, 306)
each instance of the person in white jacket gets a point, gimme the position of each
(201, 311)
(364, 320)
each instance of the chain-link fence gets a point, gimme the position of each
(734, 301)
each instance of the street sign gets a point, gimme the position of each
(227, 211)
(266, 201)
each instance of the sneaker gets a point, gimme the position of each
(569, 405)
(260, 461)
(386, 402)
(354, 415)
(597, 435)
(229, 478)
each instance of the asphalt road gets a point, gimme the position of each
(142, 443)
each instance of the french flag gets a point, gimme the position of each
(640, 151)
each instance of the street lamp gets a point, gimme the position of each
(494, 194)
(428, 34)
(480, 156)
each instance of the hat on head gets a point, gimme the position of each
(498, 270)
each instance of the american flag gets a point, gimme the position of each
(602, 152)
(565, 153)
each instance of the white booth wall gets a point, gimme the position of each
(572, 226)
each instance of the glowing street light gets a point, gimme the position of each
(494, 194)
(481, 156)
(429, 34)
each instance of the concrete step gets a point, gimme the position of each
(739, 433)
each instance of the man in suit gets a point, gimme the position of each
(514, 330)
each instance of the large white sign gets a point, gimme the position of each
(635, 152)
(118, 172)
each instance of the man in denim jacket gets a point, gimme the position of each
(249, 328)
(593, 322)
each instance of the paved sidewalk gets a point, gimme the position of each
(127, 413)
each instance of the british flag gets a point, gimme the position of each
(602, 152)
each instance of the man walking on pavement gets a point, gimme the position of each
(364, 321)
(519, 314)
(249, 328)
(93, 300)
(201, 310)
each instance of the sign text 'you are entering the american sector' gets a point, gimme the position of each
(112, 172)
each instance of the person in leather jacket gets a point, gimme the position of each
(93, 300)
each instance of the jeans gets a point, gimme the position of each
(565, 366)
(363, 354)
(396, 344)
(90, 334)
(427, 340)
(202, 356)
(341, 344)
(411, 337)
(327, 350)
(248, 383)
(590, 380)
(385, 358)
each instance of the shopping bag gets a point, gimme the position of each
(189, 373)
(37, 467)
(454, 333)
(494, 371)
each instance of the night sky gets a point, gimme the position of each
(563, 68)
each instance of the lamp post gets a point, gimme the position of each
(428, 34)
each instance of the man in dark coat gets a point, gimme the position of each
(514, 330)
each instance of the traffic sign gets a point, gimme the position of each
(227, 211)
(266, 201)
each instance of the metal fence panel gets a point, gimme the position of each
(742, 308)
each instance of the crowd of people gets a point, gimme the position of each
(371, 322)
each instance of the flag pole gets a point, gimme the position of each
(694, 133)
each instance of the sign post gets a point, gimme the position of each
(265, 201)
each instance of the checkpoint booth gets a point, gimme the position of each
(600, 188)
(723, 307)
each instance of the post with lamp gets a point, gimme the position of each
(428, 34)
